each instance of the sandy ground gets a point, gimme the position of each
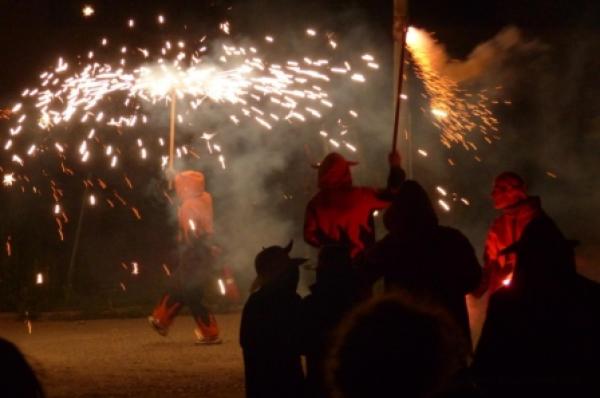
(125, 358)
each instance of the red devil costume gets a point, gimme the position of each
(339, 208)
(518, 210)
(195, 272)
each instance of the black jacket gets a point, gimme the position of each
(269, 339)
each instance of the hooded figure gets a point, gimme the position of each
(537, 339)
(509, 195)
(270, 325)
(340, 206)
(195, 274)
(431, 262)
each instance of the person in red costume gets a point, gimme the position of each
(509, 195)
(195, 273)
(342, 211)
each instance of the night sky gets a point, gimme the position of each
(553, 124)
(34, 32)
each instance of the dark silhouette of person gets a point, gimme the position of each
(432, 262)
(509, 195)
(538, 338)
(341, 206)
(270, 327)
(192, 280)
(18, 379)
(334, 294)
(395, 346)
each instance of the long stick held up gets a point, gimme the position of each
(399, 85)
(172, 131)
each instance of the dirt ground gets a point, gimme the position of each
(125, 358)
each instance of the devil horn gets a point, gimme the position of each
(288, 248)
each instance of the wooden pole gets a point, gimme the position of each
(399, 85)
(172, 131)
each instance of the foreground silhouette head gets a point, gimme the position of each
(18, 378)
(394, 347)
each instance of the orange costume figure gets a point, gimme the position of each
(342, 211)
(197, 257)
(518, 209)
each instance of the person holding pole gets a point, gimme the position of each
(342, 211)
(195, 275)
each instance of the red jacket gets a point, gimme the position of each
(504, 231)
(339, 206)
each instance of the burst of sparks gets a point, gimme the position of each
(455, 112)
(257, 90)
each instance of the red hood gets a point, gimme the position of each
(334, 172)
(189, 184)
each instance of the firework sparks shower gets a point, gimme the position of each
(81, 111)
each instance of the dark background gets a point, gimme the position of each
(552, 125)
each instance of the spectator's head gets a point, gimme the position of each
(394, 347)
(275, 268)
(18, 378)
(508, 190)
(334, 171)
(411, 212)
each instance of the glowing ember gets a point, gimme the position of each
(222, 287)
(444, 205)
(87, 11)
(8, 179)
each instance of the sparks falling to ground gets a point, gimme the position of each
(457, 113)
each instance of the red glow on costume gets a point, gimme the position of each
(340, 206)
(196, 210)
